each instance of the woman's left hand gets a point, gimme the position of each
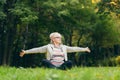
(88, 50)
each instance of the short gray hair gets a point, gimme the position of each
(54, 34)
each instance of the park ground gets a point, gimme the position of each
(76, 73)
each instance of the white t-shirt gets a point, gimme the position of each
(57, 57)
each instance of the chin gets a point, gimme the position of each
(60, 43)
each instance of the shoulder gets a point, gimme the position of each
(63, 46)
(50, 45)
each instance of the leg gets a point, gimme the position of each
(66, 65)
(46, 63)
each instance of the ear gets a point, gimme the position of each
(52, 40)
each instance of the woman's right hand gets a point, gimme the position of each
(22, 53)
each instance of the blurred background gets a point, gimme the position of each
(25, 24)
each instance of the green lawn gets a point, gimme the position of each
(81, 73)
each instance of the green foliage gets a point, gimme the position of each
(117, 60)
(2, 15)
(105, 26)
(2, 2)
(110, 5)
(31, 22)
(24, 13)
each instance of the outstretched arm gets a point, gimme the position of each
(42, 49)
(77, 49)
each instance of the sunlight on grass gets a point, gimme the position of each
(81, 73)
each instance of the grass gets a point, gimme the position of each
(81, 73)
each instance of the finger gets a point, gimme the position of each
(89, 50)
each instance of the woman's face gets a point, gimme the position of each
(56, 39)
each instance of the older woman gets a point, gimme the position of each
(56, 52)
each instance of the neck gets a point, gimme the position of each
(56, 44)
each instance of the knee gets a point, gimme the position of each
(44, 61)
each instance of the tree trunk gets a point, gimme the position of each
(9, 33)
(9, 56)
(70, 37)
(4, 60)
(78, 42)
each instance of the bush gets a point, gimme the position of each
(117, 60)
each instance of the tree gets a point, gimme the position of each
(26, 24)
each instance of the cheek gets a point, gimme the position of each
(59, 40)
(53, 40)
